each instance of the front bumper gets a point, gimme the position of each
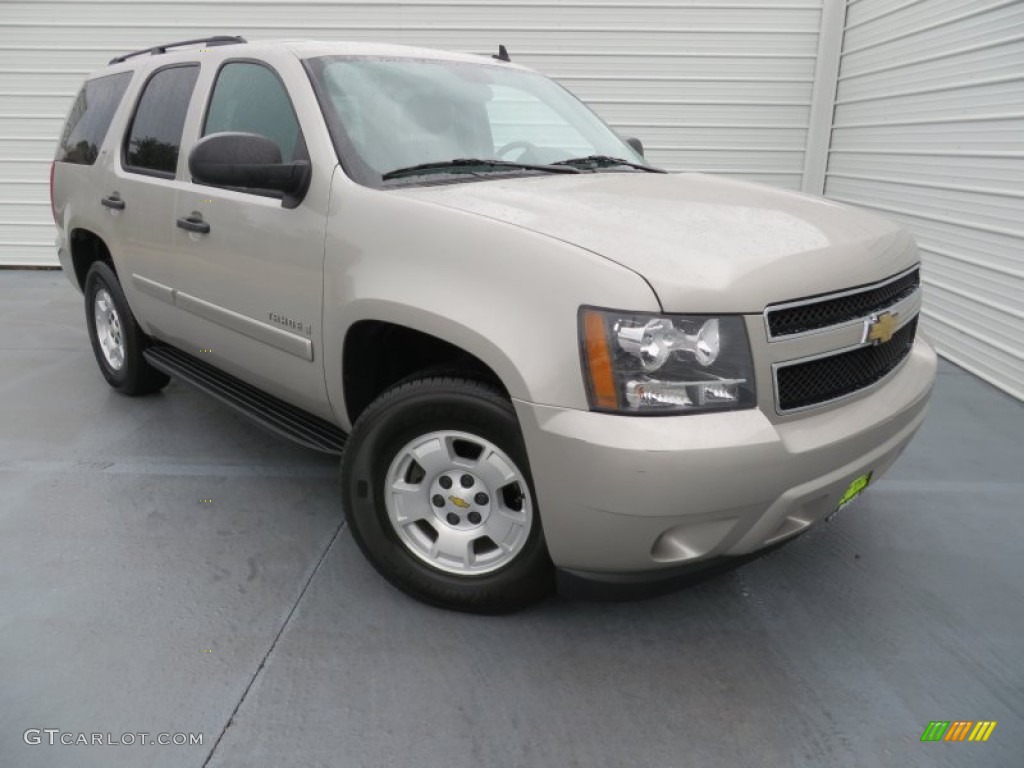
(647, 495)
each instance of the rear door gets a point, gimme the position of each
(139, 197)
(252, 285)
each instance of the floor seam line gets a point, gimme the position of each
(284, 625)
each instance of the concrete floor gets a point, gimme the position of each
(130, 604)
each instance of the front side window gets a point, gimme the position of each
(249, 98)
(90, 117)
(390, 114)
(154, 137)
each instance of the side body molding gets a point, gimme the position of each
(278, 338)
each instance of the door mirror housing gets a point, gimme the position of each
(636, 144)
(249, 162)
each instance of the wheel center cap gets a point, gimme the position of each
(460, 499)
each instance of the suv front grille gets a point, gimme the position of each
(803, 384)
(813, 315)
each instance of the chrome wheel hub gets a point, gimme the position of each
(108, 329)
(458, 503)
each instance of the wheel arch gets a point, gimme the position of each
(87, 248)
(377, 354)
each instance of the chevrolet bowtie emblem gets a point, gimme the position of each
(460, 503)
(880, 328)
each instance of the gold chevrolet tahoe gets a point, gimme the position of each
(536, 353)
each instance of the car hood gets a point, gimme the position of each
(703, 243)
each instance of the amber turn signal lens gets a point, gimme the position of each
(599, 361)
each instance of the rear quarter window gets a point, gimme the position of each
(90, 117)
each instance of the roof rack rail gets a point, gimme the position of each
(215, 40)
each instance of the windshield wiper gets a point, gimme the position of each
(467, 162)
(605, 161)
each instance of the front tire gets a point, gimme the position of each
(117, 340)
(438, 495)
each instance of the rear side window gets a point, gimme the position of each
(249, 98)
(155, 134)
(90, 117)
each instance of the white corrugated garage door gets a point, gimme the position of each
(929, 129)
(718, 86)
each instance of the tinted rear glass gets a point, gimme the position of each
(90, 117)
(155, 136)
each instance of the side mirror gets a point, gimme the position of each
(636, 144)
(248, 161)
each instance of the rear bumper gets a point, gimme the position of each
(64, 257)
(649, 496)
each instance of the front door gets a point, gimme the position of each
(250, 285)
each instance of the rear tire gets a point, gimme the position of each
(454, 441)
(117, 341)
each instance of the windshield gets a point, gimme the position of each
(388, 114)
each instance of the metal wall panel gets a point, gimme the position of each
(723, 87)
(929, 129)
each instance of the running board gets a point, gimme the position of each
(270, 412)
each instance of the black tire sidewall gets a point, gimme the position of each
(101, 276)
(404, 413)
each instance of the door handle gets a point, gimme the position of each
(194, 224)
(114, 203)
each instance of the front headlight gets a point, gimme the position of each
(665, 364)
